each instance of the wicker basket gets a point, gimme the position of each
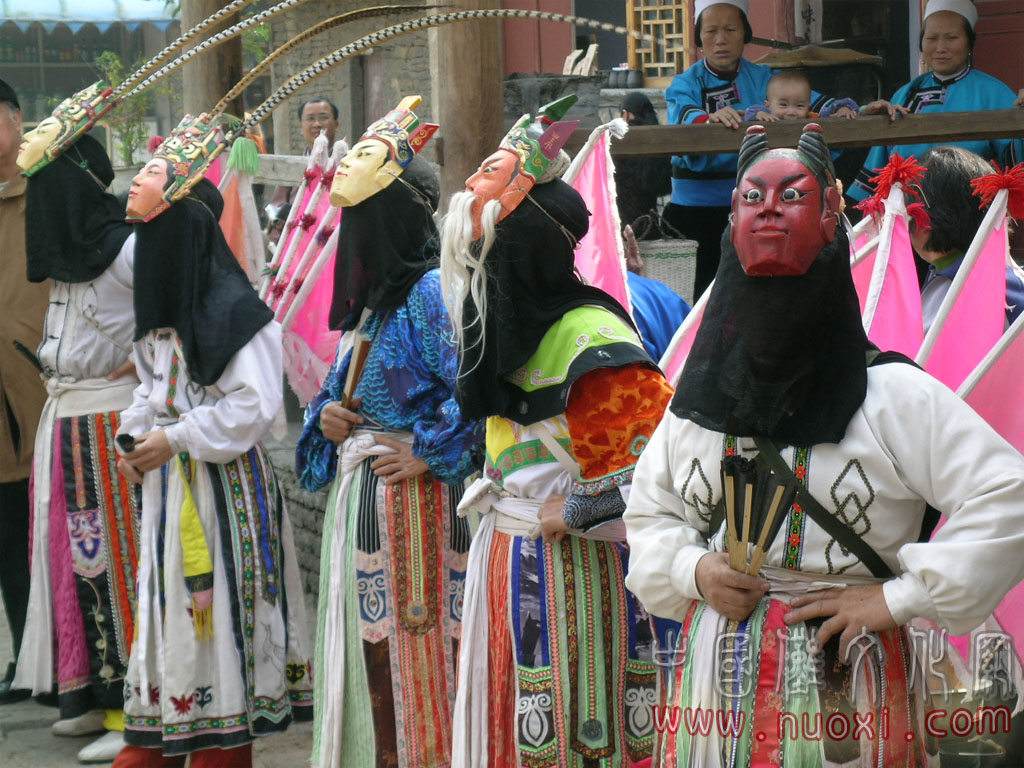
(672, 262)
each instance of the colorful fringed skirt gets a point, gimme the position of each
(221, 654)
(389, 618)
(93, 531)
(759, 693)
(84, 547)
(572, 680)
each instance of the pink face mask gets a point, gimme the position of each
(147, 189)
(498, 178)
(780, 220)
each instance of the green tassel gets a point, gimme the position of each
(244, 156)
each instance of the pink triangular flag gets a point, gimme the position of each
(993, 395)
(896, 320)
(599, 256)
(997, 393)
(863, 269)
(978, 315)
(675, 356)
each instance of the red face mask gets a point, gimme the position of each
(498, 178)
(780, 222)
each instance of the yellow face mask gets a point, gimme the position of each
(364, 171)
(34, 144)
(381, 154)
(73, 117)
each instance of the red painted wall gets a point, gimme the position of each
(1000, 33)
(537, 46)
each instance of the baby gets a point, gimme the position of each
(788, 97)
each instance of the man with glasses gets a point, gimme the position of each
(315, 115)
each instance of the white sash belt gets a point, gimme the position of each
(359, 446)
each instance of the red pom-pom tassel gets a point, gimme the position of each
(919, 214)
(873, 206)
(1010, 179)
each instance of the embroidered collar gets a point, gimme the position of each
(947, 81)
(727, 76)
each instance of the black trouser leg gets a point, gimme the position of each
(14, 576)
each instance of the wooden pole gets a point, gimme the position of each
(209, 76)
(469, 91)
(941, 128)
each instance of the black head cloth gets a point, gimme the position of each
(187, 278)
(74, 228)
(531, 283)
(385, 245)
(779, 357)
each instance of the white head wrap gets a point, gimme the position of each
(963, 7)
(700, 5)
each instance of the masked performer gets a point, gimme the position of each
(394, 551)
(781, 360)
(85, 515)
(220, 652)
(556, 665)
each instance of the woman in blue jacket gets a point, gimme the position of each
(952, 85)
(713, 91)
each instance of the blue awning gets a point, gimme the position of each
(75, 14)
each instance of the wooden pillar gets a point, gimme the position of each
(211, 74)
(468, 85)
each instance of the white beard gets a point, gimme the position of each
(463, 259)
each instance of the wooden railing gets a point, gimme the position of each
(942, 128)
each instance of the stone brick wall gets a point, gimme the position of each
(392, 70)
(305, 509)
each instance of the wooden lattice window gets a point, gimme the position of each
(671, 21)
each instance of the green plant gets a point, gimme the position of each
(256, 43)
(128, 120)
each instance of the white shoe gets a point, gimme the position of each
(103, 750)
(83, 725)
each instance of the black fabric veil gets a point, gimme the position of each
(385, 245)
(531, 283)
(778, 357)
(74, 229)
(186, 278)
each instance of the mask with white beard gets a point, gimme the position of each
(463, 262)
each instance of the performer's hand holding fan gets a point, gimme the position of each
(756, 503)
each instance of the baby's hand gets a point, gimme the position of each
(846, 112)
(766, 117)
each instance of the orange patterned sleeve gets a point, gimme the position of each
(612, 413)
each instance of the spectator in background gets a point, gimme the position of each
(640, 181)
(712, 91)
(21, 391)
(953, 85)
(955, 217)
(316, 115)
